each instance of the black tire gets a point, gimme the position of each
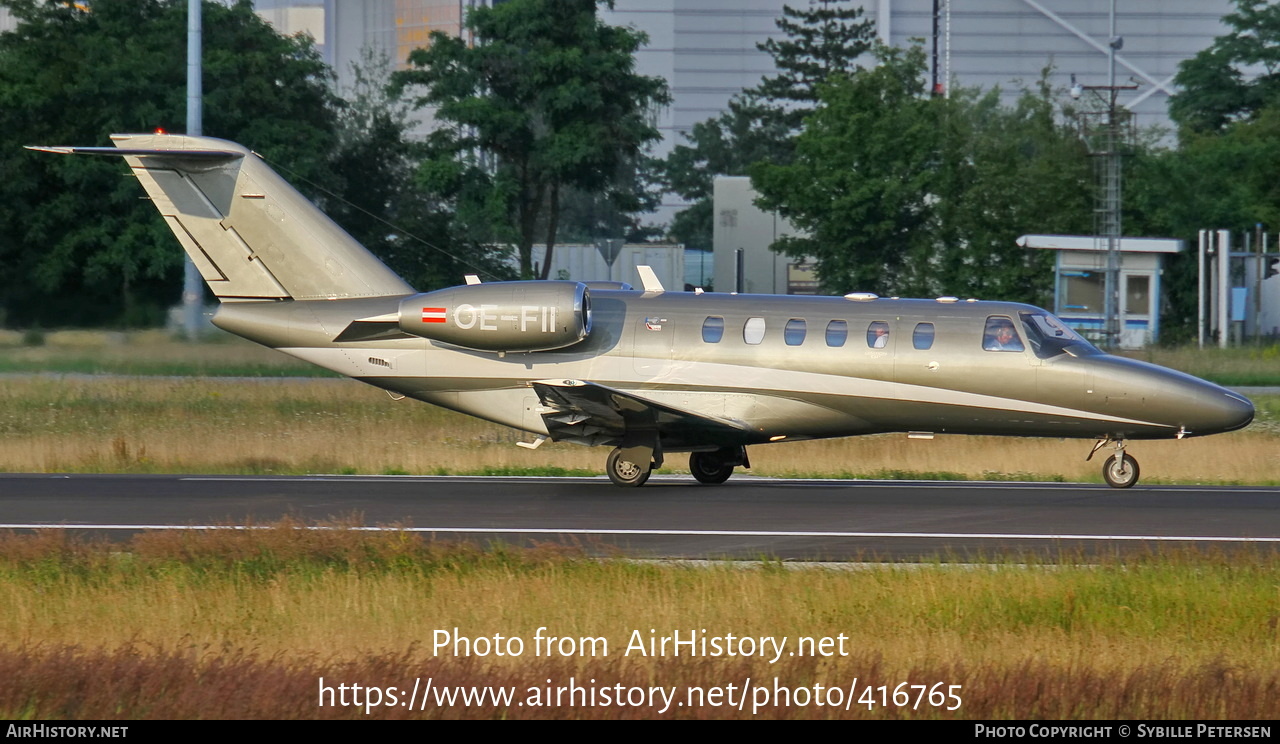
(1120, 473)
(624, 472)
(709, 468)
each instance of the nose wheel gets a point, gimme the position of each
(1120, 470)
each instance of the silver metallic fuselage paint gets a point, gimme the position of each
(651, 345)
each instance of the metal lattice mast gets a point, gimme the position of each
(1108, 131)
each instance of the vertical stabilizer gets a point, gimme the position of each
(251, 234)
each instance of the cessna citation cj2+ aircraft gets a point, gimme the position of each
(649, 372)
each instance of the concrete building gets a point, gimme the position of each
(291, 17)
(393, 27)
(589, 263)
(706, 49)
(741, 238)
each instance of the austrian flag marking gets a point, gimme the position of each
(432, 315)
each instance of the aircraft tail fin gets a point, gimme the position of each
(251, 235)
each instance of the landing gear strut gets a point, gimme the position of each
(713, 468)
(1120, 470)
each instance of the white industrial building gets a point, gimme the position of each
(706, 49)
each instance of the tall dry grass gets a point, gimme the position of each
(242, 624)
(137, 684)
(144, 353)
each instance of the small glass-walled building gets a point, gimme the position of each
(1079, 296)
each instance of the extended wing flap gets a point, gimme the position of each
(589, 413)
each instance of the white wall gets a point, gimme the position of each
(740, 224)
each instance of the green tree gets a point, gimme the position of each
(1218, 180)
(1003, 171)
(1237, 76)
(545, 101)
(74, 228)
(828, 37)
(899, 192)
(860, 181)
(378, 199)
(1222, 174)
(726, 145)
(588, 216)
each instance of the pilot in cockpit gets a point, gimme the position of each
(1000, 336)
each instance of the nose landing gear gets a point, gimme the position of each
(1120, 470)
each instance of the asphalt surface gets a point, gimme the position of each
(673, 517)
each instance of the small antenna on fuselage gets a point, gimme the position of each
(649, 280)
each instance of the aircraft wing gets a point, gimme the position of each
(587, 413)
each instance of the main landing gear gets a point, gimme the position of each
(1120, 470)
(708, 467)
(714, 468)
(624, 472)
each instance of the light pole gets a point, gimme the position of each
(192, 284)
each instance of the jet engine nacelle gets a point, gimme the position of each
(502, 316)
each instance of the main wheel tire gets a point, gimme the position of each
(1120, 472)
(709, 468)
(624, 472)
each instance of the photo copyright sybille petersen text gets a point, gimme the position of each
(745, 694)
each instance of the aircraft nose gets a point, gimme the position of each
(1218, 409)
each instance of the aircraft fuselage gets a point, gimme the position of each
(786, 367)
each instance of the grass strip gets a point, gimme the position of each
(236, 623)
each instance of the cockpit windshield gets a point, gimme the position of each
(1050, 337)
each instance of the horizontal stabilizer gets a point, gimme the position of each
(201, 155)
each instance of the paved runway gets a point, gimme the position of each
(672, 517)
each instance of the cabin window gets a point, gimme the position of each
(837, 332)
(713, 330)
(1000, 335)
(794, 332)
(753, 331)
(922, 336)
(878, 334)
